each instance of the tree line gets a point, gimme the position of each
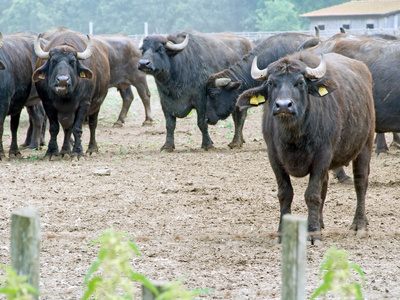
(162, 16)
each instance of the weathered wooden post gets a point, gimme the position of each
(25, 244)
(294, 260)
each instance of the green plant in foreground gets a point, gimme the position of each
(16, 287)
(115, 275)
(338, 276)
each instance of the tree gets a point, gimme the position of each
(278, 15)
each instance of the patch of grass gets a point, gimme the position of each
(15, 286)
(338, 278)
(111, 276)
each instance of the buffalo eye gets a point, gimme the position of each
(300, 82)
(269, 83)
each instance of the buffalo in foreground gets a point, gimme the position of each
(181, 65)
(318, 115)
(72, 76)
(224, 87)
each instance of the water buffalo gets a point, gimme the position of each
(72, 77)
(381, 57)
(123, 57)
(318, 115)
(15, 83)
(181, 64)
(224, 87)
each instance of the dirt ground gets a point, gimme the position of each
(209, 217)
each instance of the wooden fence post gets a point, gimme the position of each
(25, 244)
(294, 260)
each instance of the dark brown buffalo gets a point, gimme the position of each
(16, 67)
(181, 65)
(123, 57)
(224, 87)
(381, 57)
(72, 77)
(318, 115)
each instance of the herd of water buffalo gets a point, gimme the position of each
(323, 100)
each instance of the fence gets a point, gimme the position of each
(252, 36)
(25, 248)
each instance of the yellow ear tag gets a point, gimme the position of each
(255, 100)
(82, 75)
(322, 91)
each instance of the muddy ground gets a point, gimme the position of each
(209, 217)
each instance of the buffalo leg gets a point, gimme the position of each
(396, 140)
(202, 124)
(127, 98)
(66, 147)
(52, 148)
(285, 193)
(37, 127)
(92, 127)
(340, 174)
(144, 94)
(3, 112)
(361, 173)
(169, 145)
(14, 123)
(381, 146)
(239, 118)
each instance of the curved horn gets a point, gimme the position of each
(38, 49)
(316, 32)
(177, 47)
(141, 44)
(221, 82)
(88, 52)
(318, 72)
(1, 39)
(256, 73)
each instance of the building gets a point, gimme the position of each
(357, 17)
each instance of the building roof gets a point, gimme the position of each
(356, 8)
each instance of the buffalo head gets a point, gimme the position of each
(221, 96)
(288, 82)
(156, 52)
(62, 68)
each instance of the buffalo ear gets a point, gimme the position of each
(234, 85)
(2, 66)
(84, 72)
(39, 73)
(321, 88)
(251, 97)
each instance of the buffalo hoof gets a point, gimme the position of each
(16, 155)
(315, 239)
(167, 149)
(235, 145)
(208, 148)
(395, 145)
(118, 124)
(346, 180)
(359, 229)
(148, 123)
(381, 150)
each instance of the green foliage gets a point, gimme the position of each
(111, 276)
(175, 290)
(162, 16)
(338, 277)
(15, 286)
(279, 15)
